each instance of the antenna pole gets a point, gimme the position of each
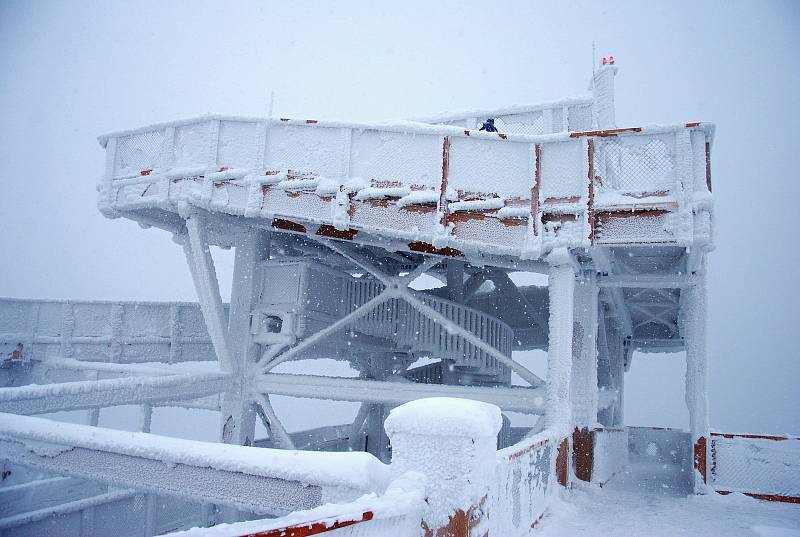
(271, 104)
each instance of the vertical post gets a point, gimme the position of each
(610, 371)
(537, 183)
(453, 443)
(558, 419)
(584, 352)
(693, 316)
(443, 188)
(107, 198)
(583, 392)
(603, 97)
(238, 414)
(455, 280)
(201, 265)
(145, 418)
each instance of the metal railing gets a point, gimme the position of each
(763, 466)
(257, 167)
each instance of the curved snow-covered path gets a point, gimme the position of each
(649, 501)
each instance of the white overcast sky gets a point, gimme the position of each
(70, 71)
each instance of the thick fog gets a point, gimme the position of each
(70, 71)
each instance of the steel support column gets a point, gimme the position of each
(693, 320)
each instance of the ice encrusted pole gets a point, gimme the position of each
(238, 416)
(693, 328)
(558, 416)
(453, 443)
(583, 388)
(603, 112)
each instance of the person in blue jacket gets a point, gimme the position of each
(488, 125)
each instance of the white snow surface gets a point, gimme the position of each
(445, 416)
(642, 502)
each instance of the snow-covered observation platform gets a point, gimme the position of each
(335, 226)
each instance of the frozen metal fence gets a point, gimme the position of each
(94, 331)
(518, 497)
(391, 179)
(762, 465)
(636, 164)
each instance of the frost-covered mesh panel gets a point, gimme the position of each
(488, 166)
(636, 164)
(411, 159)
(138, 152)
(14, 316)
(92, 319)
(122, 518)
(190, 320)
(531, 123)
(145, 320)
(628, 228)
(610, 453)
(192, 144)
(307, 149)
(49, 316)
(237, 144)
(563, 169)
(518, 495)
(756, 465)
(172, 514)
(579, 118)
(67, 525)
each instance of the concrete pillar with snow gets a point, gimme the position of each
(693, 329)
(452, 442)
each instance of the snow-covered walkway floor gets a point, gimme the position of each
(650, 501)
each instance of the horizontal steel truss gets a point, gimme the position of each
(136, 467)
(529, 400)
(84, 395)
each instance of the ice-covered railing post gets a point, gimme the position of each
(452, 442)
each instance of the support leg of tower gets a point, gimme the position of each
(558, 418)
(238, 414)
(693, 317)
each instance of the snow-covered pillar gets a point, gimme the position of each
(584, 353)
(583, 388)
(452, 442)
(561, 287)
(693, 328)
(558, 419)
(603, 113)
(238, 415)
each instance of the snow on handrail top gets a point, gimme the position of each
(455, 115)
(82, 302)
(357, 470)
(38, 391)
(407, 127)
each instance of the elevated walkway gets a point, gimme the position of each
(420, 188)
